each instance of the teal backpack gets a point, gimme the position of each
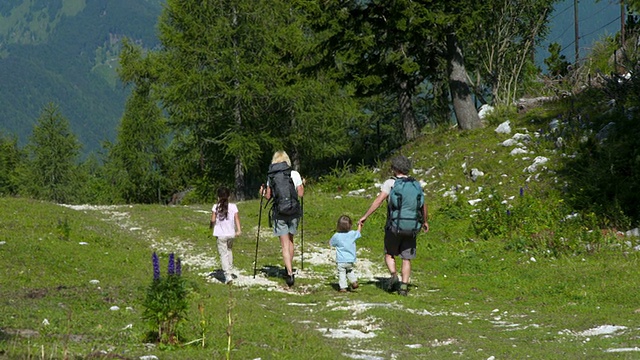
(405, 207)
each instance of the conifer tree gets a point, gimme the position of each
(136, 163)
(228, 76)
(52, 151)
(11, 159)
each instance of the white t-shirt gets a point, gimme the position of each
(225, 227)
(387, 185)
(295, 177)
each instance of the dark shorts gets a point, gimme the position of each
(400, 245)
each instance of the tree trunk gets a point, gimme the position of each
(239, 177)
(409, 124)
(463, 107)
(238, 169)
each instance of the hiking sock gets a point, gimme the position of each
(404, 289)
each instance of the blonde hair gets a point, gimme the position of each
(280, 156)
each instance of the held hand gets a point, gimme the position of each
(362, 220)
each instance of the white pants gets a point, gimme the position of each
(346, 271)
(225, 245)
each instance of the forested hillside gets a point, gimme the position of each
(65, 52)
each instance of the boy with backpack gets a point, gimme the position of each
(285, 187)
(406, 216)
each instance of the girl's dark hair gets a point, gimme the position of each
(344, 224)
(222, 210)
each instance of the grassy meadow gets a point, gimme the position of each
(531, 282)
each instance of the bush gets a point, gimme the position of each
(166, 302)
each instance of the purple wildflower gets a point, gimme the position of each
(178, 267)
(156, 266)
(508, 212)
(521, 191)
(172, 264)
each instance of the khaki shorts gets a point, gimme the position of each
(284, 227)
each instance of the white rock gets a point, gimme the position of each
(475, 173)
(538, 161)
(509, 142)
(504, 128)
(521, 137)
(484, 111)
(114, 308)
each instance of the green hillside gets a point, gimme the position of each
(510, 269)
(66, 53)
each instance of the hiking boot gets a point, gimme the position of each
(290, 280)
(403, 290)
(354, 285)
(392, 283)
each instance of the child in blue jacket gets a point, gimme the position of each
(344, 240)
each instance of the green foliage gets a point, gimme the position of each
(11, 158)
(63, 229)
(600, 57)
(455, 209)
(166, 302)
(501, 40)
(557, 65)
(346, 178)
(63, 67)
(52, 151)
(137, 164)
(501, 113)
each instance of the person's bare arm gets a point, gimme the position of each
(265, 191)
(425, 213)
(238, 227)
(374, 206)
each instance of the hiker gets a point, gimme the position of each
(285, 186)
(344, 240)
(225, 222)
(403, 223)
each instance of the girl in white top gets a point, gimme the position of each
(225, 222)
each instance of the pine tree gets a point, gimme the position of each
(52, 151)
(136, 163)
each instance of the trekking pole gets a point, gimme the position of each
(255, 261)
(302, 231)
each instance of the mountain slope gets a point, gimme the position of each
(71, 61)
